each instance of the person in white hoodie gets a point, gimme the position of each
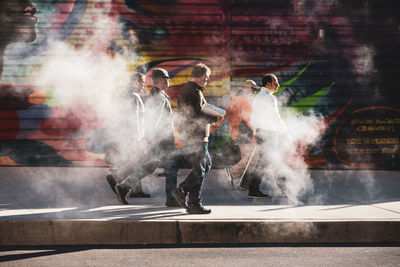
(267, 124)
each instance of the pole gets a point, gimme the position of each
(247, 165)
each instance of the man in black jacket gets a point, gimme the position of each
(194, 129)
(159, 129)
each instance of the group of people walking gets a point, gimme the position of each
(159, 140)
(255, 125)
(147, 122)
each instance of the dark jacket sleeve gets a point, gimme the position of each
(198, 102)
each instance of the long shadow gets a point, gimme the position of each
(284, 208)
(52, 251)
(118, 213)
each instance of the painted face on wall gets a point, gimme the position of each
(17, 21)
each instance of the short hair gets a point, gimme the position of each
(199, 70)
(268, 78)
(136, 76)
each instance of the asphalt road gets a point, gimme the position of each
(268, 255)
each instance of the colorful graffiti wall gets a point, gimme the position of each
(336, 58)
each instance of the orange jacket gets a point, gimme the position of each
(239, 109)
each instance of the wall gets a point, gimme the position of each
(338, 59)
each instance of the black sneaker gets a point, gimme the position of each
(122, 192)
(139, 195)
(112, 182)
(243, 186)
(258, 195)
(197, 209)
(172, 203)
(180, 197)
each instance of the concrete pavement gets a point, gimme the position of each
(71, 206)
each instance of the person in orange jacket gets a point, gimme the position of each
(239, 112)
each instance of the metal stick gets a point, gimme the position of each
(247, 165)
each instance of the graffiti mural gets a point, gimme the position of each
(63, 62)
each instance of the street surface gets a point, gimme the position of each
(269, 255)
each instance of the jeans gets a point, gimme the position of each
(197, 154)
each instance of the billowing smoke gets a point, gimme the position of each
(92, 79)
(89, 81)
(90, 75)
(87, 74)
(287, 159)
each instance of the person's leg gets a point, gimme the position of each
(237, 169)
(257, 174)
(148, 165)
(259, 169)
(201, 163)
(123, 163)
(281, 183)
(200, 170)
(171, 167)
(112, 156)
(190, 153)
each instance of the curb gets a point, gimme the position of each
(178, 232)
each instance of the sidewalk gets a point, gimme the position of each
(70, 206)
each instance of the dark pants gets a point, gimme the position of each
(123, 160)
(157, 157)
(266, 140)
(197, 154)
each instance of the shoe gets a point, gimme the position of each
(122, 192)
(112, 182)
(172, 203)
(197, 209)
(244, 186)
(258, 195)
(229, 176)
(139, 195)
(180, 197)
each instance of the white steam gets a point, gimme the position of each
(87, 74)
(287, 158)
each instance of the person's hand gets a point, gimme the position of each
(220, 119)
(215, 125)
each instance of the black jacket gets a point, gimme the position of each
(194, 126)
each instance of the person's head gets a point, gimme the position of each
(200, 74)
(160, 78)
(137, 82)
(270, 81)
(249, 86)
(17, 21)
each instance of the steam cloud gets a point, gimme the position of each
(287, 159)
(89, 75)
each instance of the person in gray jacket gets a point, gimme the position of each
(127, 140)
(159, 129)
